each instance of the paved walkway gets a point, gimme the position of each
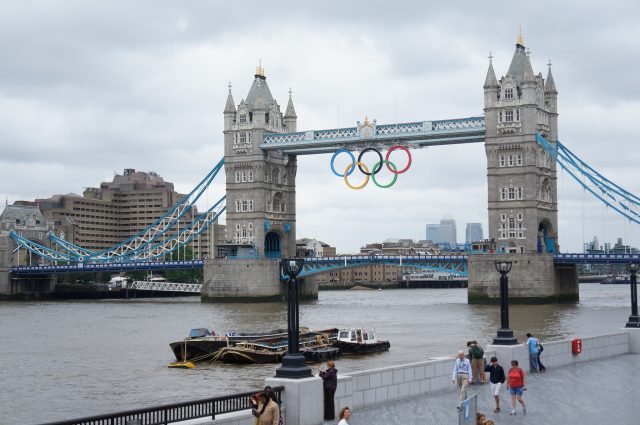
(597, 392)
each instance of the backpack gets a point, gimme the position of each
(477, 352)
(540, 348)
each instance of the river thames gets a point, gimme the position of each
(69, 359)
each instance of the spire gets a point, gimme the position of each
(490, 81)
(291, 112)
(260, 70)
(520, 39)
(230, 107)
(550, 85)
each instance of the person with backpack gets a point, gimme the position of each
(516, 385)
(477, 362)
(496, 378)
(534, 353)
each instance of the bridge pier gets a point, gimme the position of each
(248, 280)
(534, 279)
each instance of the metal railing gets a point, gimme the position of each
(170, 413)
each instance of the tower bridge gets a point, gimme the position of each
(519, 130)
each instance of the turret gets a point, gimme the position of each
(290, 117)
(551, 100)
(229, 111)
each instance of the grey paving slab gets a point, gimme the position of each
(596, 392)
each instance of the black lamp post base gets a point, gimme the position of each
(293, 367)
(634, 322)
(505, 337)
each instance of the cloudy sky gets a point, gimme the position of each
(88, 88)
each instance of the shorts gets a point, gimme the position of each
(515, 391)
(495, 388)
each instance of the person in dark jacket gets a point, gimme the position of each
(496, 377)
(329, 385)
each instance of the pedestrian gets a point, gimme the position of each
(329, 385)
(345, 413)
(534, 352)
(516, 384)
(496, 378)
(266, 410)
(540, 348)
(477, 362)
(461, 374)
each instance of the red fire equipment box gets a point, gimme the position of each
(576, 346)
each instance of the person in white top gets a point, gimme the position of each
(345, 413)
(461, 374)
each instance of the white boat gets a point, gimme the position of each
(432, 276)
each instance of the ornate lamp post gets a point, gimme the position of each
(505, 334)
(293, 365)
(634, 319)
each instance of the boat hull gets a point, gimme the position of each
(321, 354)
(355, 348)
(238, 355)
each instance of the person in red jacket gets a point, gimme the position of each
(516, 384)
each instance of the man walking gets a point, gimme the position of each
(534, 352)
(496, 377)
(477, 363)
(461, 374)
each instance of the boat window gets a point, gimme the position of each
(344, 334)
(353, 335)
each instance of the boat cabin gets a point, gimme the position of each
(358, 336)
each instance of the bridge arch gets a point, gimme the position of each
(273, 241)
(546, 237)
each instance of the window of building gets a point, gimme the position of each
(503, 217)
(503, 161)
(519, 215)
(512, 193)
(243, 138)
(519, 191)
(519, 159)
(250, 176)
(508, 115)
(508, 93)
(503, 193)
(243, 118)
(510, 162)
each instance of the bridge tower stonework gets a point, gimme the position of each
(522, 188)
(261, 208)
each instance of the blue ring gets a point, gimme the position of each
(353, 162)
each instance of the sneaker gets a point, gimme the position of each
(524, 409)
(496, 410)
(513, 412)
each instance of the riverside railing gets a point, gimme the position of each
(170, 413)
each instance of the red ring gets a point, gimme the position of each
(404, 148)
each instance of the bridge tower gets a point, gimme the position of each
(522, 183)
(261, 208)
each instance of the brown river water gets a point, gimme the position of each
(69, 359)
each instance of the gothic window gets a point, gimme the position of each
(278, 203)
(503, 161)
(517, 114)
(519, 159)
(238, 206)
(503, 217)
(244, 232)
(510, 160)
(512, 227)
(519, 216)
(519, 192)
(238, 231)
(251, 205)
(243, 176)
(237, 176)
(512, 193)
(503, 193)
(276, 176)
(268, 205)
(243, 118)
(243, 138)
(250, 176)
(508, 93)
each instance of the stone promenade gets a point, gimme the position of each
(596, 392)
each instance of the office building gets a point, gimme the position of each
(433, 233)
(474, 232)
(448, 233)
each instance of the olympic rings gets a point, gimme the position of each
(377, 167)
(353, 160)
(395, 175)
(350, 169)
(408, 162)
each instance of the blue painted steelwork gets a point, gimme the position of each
(108, 267)
(596, 258)
(415, 134)
(612, 195)
(454, 264)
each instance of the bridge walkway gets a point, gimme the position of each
(590, 393)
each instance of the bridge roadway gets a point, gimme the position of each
(590, 393)
(456, 264)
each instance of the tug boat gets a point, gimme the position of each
(360, 341)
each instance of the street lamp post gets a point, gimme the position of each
(505, 334)
(293, 365)
(634, 319)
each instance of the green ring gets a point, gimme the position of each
(395, 176)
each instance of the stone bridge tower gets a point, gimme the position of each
(261, 203)
(522, 187)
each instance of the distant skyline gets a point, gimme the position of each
(89, 89)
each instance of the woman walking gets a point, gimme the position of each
(516, 385)
(345, 413)
(329, 385)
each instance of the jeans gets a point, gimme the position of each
(534, 362)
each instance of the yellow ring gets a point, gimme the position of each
(353, 165)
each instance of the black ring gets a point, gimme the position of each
(374, 171)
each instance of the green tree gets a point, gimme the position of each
(183, 276)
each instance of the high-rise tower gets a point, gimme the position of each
(522, 182)
(260, 185)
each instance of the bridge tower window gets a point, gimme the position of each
(508, 93)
